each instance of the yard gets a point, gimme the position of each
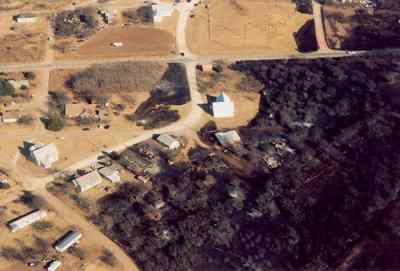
(244, 26)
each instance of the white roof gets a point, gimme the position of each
(27, 219)
(228, 138)
(44, 155)
(162, 10)
(68, 240)
(110, 173)
(223, 107)
(54, 265)
(168, 140)
(88, 181)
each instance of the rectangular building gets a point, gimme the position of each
(26, 220)
(110, 174)
(88, 181)
(68, 240)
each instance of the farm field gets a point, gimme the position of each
(244, 26)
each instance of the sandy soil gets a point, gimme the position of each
(245, 26)
(142, 41)
(32, 4)
(22, 42)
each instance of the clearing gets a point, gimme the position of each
(244, 26)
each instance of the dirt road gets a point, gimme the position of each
(319, 27)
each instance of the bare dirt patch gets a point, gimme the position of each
(22, 42)
(246, 26)
(141, 41)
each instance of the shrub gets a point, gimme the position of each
(32, 201)
(26, 120)
(6, 89)
(29, 75)
(54, 123)
(42, 226)
(108, 258)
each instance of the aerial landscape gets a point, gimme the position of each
(199, 135)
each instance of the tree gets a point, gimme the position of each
(54, 122)
(6, 89)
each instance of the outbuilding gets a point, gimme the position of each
(18, 84)
(26, 18)
(228, 138)
(223, 107)
(88, 181)
(53, 265)
(68, 240)
(168, 141)
(26, 219)
(41, 154)
(10, 116)
(110, 174)
(161, 10)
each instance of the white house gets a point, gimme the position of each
(25, 18)
(53, 265)
(228, 138)
(26, 220)
(88, 181)
(168, 141)
(223, 107)
(161, 10)
(110, 174)
(67, 241)
(43, 155)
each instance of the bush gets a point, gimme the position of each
(42, 226)
(108, 258)
(54, 123)
(142, 14)
(4, 186)
(32, 201)
(26, 120)
(6, 89)
(29, 75)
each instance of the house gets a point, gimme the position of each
(223, 107)
(26, 220)
(207, 68)
(76, 110)
(41, 154)
(228, 138)
(10, 116)
(107, 15)
(26, 18)
(53, 265)
(168, 141)
(161, 10)
(18, 84)
(110, 174)
(87, 181)
(67, 241)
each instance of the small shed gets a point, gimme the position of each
(110, 174)
(68, 240)
(26, 18)
(88, 181)
(168, 141)
(228, 138)
(10, 116)
(53, 265)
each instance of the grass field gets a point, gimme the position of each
(250, 26)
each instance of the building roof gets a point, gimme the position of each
(17, 84)
(162, 10)
(88, 181)
(68, 240)
(26, 219)
(228, 138)
(10, 115)
(26, 15)
(223, 107)
(167, 140)
(110, 173)
(53, 265)
(44, 155)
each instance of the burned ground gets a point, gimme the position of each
(334, 193)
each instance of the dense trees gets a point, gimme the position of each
(307, 214)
